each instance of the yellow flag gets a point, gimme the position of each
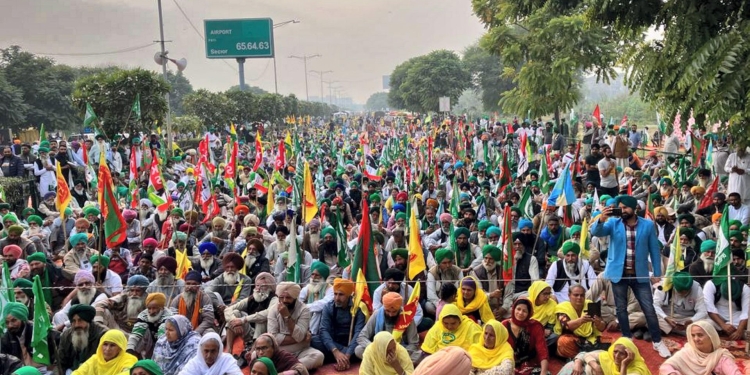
(237, 291)
(310, 207)
(183, 263)
(584, 239)
(362, 300)
(269, 201)
(675, 262)
(288, 139)
(416, 255)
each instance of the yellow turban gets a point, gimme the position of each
(159, 298)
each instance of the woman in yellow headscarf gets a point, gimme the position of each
(453, 329)
(110, 357)
(545, 308)
(385, 357)
(472, 301)
(493, 355)
(622, 358)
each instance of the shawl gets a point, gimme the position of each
(182, 309)
(438, 337)
(97, 365)
(691, 361)
(171, 356)
(225, 363)
(485, 359)
(480, 301)
(447, 361)
(373, 359)
(609, 367)
(545, 313)
(586, 330)
(282, 359)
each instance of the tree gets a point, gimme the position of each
(545, 48)
(377, 101)
(213, 109)
(469, 103)
(271, 107)
(427, 78)
(487, 76)
(188, 123)
(12, 107)
(244, 105)
(112, 95)
(252, 89)
(180, 88)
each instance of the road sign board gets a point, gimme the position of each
(248, 38)
(444, 103)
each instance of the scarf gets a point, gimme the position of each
(118, 365)
(171, 356)
(182, 309)
(637, 366)
(438, 337)
(373, 362)
(586, 330)
(691, 361)
(225, 364)
(485, 359)
(479, 303)
(522, 323)
(545, 313)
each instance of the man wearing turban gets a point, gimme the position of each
(133, 228)
(702, 269)
(393, 281)
(85, 293)
(78, 257)
(22, 289)
(334, 339)
(15, 236)
(689, 304)
(490, 275)
(121, 311)
(316, 291)
(289, 323)
(443, 272)
(15, 341)
(18, 267)
(440, 238)
(226, 284)
(195, 304)
(664, 228)
(384, 319)
(247, 318)
(79, 342)
(569, 270)
(208, 265)
(150, 324)
(311, 238)
(108, 279)
(166, 283)
(718, 296)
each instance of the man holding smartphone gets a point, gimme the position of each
(632, 241)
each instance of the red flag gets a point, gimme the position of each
(510, 129)
(113, 222)
(505, 176)
(624, 120)
(85, 154)
(550, 169)
(507, 246)
(708, 199)
(281, 157)
(630, 187)
(210, 209)
(133, 179)
(597, 115)
(524, 139)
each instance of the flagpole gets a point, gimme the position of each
(729, 292)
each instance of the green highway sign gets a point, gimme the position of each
(243, 38)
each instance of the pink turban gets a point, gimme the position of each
(150, 242)
(128, 214)
(446, 217)
(14, 250)
(82, 276)
(292, 288)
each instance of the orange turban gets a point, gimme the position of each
(392, 300)
(715, 217)
(661, 210)
(345, 286)
(83, 222)
(241, 210)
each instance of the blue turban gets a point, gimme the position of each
(78, 238)
(208, 246)
(525, 223)
(493, 230)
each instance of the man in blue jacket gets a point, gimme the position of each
(12, 165)
(632, 241)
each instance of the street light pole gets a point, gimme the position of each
(164, 72)
(321, 73)
(330, 91)
(304, 58)
(275, 78)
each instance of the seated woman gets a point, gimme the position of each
(146, 367)
(385, 357)
(702, 355)
(526, 336)
(211, 359)
(578, 331)
(472, 301)
(178, 345)
(453, 329)
(111, 357)
(492, 355)
(262, 366)
(285, 363)
(544, 308)
(622, 357)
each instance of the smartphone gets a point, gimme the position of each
(595, 309)
(616, 212)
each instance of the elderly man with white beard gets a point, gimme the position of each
(149, 327)
(702, 269)
(317, 293)
(166, 283)
(195, 305)
(312, 237)
(490, 275)
(77, 258)
(569, 271)
(121, 311)
(247, 319)
(79, 341)
(226, 284)
(85, 293)
(207, 264)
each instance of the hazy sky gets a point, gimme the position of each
(360, 40)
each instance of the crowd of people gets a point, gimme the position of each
(534, 244)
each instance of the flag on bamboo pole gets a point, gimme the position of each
(114, 224)
(584, 242)
(597, 115)
(42, 136)
(258, 152)
(362, 297)
(7, 293)
(505, 175)
(723, 253)
(310, 207)
(455, 202)
(543, 176)
(156, 186)
(708, 198)
(133, 184)
(710, 155)
(696, 149)
(364, 253)
(675, 263)
(650, 208)
(293, 262)
(407, 314)
(269, 200)
(42, 326)
(507, 244)
(62, 198)
(89, 116)
(184, 265)
(137, 108)
(526, 203)
(230, 171)
(280, 157)
(342, 248)
(417, 263)
(563, 194)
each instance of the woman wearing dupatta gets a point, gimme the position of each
(578, 331)
(493, 355)
(472, 301)
(526, 336)
(211, 359)
(111, 357)
(544, 309)
(385, 357)
(622, 358)
(178, 345)
(285, 362)
(453, 329)
(702, 355)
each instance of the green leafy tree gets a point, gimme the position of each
(271, 107)
(244, 105)
(180, 88)
(487, 76)
(395, 99)
(252, 89)
(377, 101)
(545, 47)
(291, 105)
(112, 95)
(213, 109)
(429, 77)
(188, 123)
(12, 107)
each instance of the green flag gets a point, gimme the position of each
(6, 292)
(42, 325)
(341, 246)
(543, 176)
(455, 202)
(114, 224)
(137, 107)
(90, 116)
(526, 204)
(723, 253)
(293, 263)
(364, 254)
(42, 136)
